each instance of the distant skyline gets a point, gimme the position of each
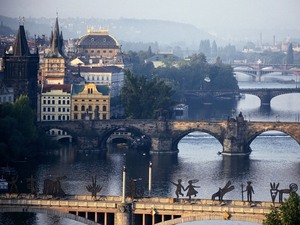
(212, 15)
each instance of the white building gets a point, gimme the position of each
(55, 102)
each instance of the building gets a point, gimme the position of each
(21, 69)
(162, 58)
(6, 94)
(55, 102)
(52, 67)
(99, 48)
(111, 76)
(90, 102)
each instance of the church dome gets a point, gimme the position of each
(98, 39)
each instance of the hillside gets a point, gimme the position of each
(127, 30)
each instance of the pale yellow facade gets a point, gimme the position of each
(88, 103)
(52, 71)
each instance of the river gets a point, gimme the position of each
(275, 157)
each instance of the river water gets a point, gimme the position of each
(275, 157)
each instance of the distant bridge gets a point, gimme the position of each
(143, 211)
(265, 94)
(234, 134)
(256, 70)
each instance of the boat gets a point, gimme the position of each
(3, 186)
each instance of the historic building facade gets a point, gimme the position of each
(21, 69)
(90, 102)
(52, 67)
(99, 48)
(55, 102)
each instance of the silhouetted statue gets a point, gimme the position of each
(53, 187)
(179, 187)
(292, 188)
(191, 188)
(13, 185)
(274, 191)
(222, 191)
(94, 188)
(249, 190)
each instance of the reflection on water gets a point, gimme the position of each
(274, 158)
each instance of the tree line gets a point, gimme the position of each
(19, 136)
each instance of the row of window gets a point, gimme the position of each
(55, 117)
(6, 99)
(59, 132)
(98, 51)
(47, 97)
(89, 116)
(89, 108)
(87, 77)
(59, 109)
(59, 102)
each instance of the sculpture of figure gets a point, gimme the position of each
(222, 191)
(191, 188)
(13, 185)
(250, 191)
(292, 188)
(94, 188)
(53, 187)
(274, 191)
(178, 188)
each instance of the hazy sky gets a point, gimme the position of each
(214, 14)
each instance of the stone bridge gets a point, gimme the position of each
(142, 211)
(266, 94)
(234, 134)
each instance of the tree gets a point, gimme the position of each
(144, 98)
(290, 55)
(19, 136)
(287, 214)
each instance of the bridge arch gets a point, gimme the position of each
(31, 209)
(212, 217)
(105, 135)
(178, 137)
(252, 137)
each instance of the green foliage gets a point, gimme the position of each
(145, 99)
(19, 137)
(287, 214)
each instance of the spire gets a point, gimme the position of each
(56, 41)
(21, 46)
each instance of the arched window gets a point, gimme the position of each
(82, 108)
(75, 107)
(104, 108)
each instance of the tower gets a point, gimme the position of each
(53, 66)
(21, 68)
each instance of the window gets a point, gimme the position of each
(59, 117)
(49, 102)
(90, 108)
(104, 108)
(104, 116)
(82, 108)
(53, 109)
(44, 109)
(75, 116)
(44, 117)
(53, 102)
(44, 101)
(59, 102)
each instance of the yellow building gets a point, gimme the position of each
(90, 102)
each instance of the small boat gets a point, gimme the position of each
(3, 186)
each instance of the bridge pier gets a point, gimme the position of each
(124, 214)
(235, 140)
(162, 144)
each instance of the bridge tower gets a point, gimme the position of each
(235, 140)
